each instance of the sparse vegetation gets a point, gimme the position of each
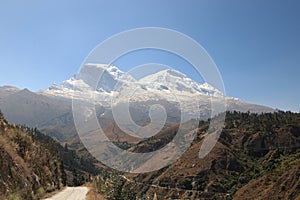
(253, 149)
(257, 154)
(113, 185)
(29, 167)
(32, 164)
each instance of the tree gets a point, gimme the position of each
(63, 174)
(116, 187)
(1, 115)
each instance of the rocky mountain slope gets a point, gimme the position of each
(25, 107)
(50, 115)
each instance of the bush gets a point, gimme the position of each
(14, 196)
(186, 184)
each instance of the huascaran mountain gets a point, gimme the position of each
(168, 84)
(166, 80)
(50, 110)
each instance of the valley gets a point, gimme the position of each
(257, 154)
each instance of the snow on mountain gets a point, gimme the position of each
(178, 95)
(82, 85)
(177, 82)
(110, 76)
(167, 84)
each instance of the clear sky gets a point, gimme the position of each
(255, 44)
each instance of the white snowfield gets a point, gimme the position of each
(162, 85)
(71, 193)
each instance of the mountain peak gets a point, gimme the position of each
(95, 67)
(8, 87)
(174, 72)
(177, 81)
(92, 77)
(25, 92)
(164, 75)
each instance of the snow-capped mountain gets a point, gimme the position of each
(176, 81)
(51, 110)
(117, 87)
(165, 84)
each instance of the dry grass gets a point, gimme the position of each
(50, 194)
(26, 165)
(11, 150)
(93, 195)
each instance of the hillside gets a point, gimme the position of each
(256, 157)
(28, 167)
(32, 163)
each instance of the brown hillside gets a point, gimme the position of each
(256, 157)
(28, 168)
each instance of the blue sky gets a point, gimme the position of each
(255, 44)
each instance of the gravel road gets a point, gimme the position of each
(71, 193)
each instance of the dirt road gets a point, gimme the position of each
(71, 193)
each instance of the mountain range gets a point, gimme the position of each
(50, 110)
